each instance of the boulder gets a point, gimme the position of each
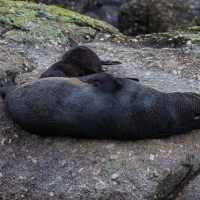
(154, 16)
(32, 38)
(105, 10)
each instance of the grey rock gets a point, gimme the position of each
(37, 167)
(153, 16)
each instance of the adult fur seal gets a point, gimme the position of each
(101, 106)
(77, 61)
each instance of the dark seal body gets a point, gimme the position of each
(127, 110)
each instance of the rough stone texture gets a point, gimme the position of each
(191, 191)
(153, 16)
(34, 167)
(106, 10)
(134, 17)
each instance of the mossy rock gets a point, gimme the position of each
(36, 23)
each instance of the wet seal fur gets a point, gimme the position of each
(100, 106)
(77, 61)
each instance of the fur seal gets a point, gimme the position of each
(77, 61)
(100, 106)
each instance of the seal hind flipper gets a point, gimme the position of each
(110, 62)
(8, 87)
(104, 81)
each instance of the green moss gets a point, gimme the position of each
(194, 28)
(31, 21)
(193, 37)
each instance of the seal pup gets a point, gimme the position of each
(77, 61)
(100, 106)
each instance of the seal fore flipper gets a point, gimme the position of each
(134, 79)
(110, 62)
(8, 87)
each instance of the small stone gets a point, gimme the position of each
(175, 72)
(3, 140)
(100, 185)
(114, 176)
(22, 195)
(11, 11)
(155, 173)
(34, 160)
(75, 151)
(1, 175)
(151, 157)
(134, 40)
(80, 170)
(110, 146)
(102, 39)
(189, 42)
(107, 35)
(113, 157)
(168, 171)
(51, 194)
(53, 42)
(3, 42)
(63, 162)
(133, 187)
(109, 49)
(114, 183)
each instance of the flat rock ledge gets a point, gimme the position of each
(41, 167)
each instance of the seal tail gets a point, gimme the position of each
(110, 62)
(8, 87)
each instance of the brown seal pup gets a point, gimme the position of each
(101, 106)
(77, 61)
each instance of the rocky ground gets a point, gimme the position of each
(36, 167)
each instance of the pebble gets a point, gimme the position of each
(110, 146)
(175, 72)
(100, 185)
(113, 157)
(133, 187)
(114, 176)
(63, 162)
(3, 42)
(151, 157)
(80, 170)
(51, 194)
(114, 183)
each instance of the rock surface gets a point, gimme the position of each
(154, 16)
(106, 10)
(35, 167)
